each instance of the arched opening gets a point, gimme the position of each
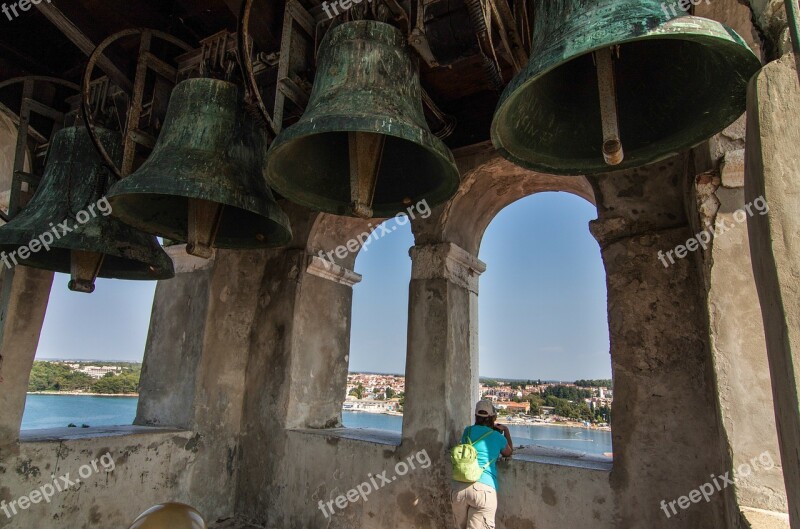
(89, 357)
(376, 383)
(544, 339)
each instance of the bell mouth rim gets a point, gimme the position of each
(331, 123)
(57, 259)
(281, 233)
(438, 195)
(712, 31)
(686, 28)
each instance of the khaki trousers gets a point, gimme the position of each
(474, 505)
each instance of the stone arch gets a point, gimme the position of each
(489, 184)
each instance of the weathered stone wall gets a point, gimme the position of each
(665, 427)
(149, 467)
(772, 165)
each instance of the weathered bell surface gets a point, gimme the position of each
(362, 147)
(204, 181)
(626, 75)
(68, 221)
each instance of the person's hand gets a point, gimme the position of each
(502, 428)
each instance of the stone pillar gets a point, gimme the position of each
(773, 168)
(196, 363)
(175, 343)
(23, 303)
(665, 427)
(442, 359)
(296, 375)
(736, 329)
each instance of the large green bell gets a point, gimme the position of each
(615, 84)
(204, 183)
(363, 147)
(67, 228)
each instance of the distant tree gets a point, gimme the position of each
(358, 391)
(568, 393)
(117, 384)
(390, 393)
(603, 414)
(536, 403)
(51, 376)
(601, 383)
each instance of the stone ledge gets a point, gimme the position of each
(560, 457)
(73, 434)
(378, 437)
(761, 519)
(319, 267)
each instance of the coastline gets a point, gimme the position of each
(82, 394)
(571, 424)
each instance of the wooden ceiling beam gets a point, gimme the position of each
(84, 43)
(264, 14)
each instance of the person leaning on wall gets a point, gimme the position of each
(474, 487)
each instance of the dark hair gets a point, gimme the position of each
(484, 421)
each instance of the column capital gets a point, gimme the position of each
(317, 266)
(447, 261)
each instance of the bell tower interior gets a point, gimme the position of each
(240, 155)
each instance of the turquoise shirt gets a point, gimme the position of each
(488, 449)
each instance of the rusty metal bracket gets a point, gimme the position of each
(418, 39)
(246, 63)
(146, 61)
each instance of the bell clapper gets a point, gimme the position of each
(366, 153)
(612, 145)
(84, 268)
(204, 221)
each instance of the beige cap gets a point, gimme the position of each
(485, 408)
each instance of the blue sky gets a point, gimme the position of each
(542, 304)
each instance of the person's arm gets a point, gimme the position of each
(509, 449)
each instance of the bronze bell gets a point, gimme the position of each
(68, 218)
(203, 183)
(615, 84)
(362, 147)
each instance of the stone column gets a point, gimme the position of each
(196, 362)
(773, 170)
(442, 359)
(296, 375)
(175, 343)
(666, 436)
(23, 303)
(736, 329)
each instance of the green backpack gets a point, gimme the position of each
(465, 461)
